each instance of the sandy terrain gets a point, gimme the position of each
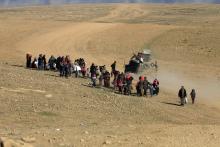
(53, 111)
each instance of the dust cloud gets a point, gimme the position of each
(207, 89)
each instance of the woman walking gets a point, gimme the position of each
(193, 95)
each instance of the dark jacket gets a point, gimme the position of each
(145, 84)
(93, 69)
(193, 94)
(113, 66)
(182, 93)
(140, 85)
(129, 81)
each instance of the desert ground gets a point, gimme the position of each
(38, 108)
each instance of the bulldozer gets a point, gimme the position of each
(140, 61)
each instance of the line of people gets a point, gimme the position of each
(122, 82)
(63, 64)
(39, 63)
(144, 87)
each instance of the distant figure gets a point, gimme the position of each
(128, 84)
(58, 63)
(101, 76)
(113, 66)
(139, 86)
(116, 74)
(40, 62)
(67, 66)
(193, 95)
(77, 69)
(156, 83)
(28, 60)
(34, 64)
(156, 86)
(61, 66)
(106, 77)
(145, 85)
(83, 70)
(182, 95)
(44, 62)
(120, 81)
(52, 63)
(93, 74)
(152, 89)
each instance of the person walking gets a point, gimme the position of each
(145, 85)
(52, 63)
(139, 86)
(28, 60)
(40, 62)
(193, 95)
(156, 86)
(106, 78)
(61, 66)
(128, 84)
(113, 66)
(182, 95)
(44, 62)
(93, 74)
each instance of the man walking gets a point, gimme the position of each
(145, 85)
(182, 95)
(113, 66)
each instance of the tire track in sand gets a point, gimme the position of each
(70, 39)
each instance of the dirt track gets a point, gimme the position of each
(65, 112)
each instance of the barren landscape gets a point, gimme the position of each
(38, 108)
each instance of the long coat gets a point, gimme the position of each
(182, 94)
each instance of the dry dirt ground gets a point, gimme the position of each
(54, 111)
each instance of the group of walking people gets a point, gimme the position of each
(182, 94)
(122, 82)
(99, 75)
(144, 87)
(63, 64)
(39, 62)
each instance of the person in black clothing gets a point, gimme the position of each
(182, 95)
(33, 64)
(145, 85)
(128, 85)
(67, 66)
(139, 87)
(93, 69)
(40, 62)
(93, 74)
(193, 95)
(113, 66)
(28, 60)
(58, 63)
(44, 62)
(62, 66)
